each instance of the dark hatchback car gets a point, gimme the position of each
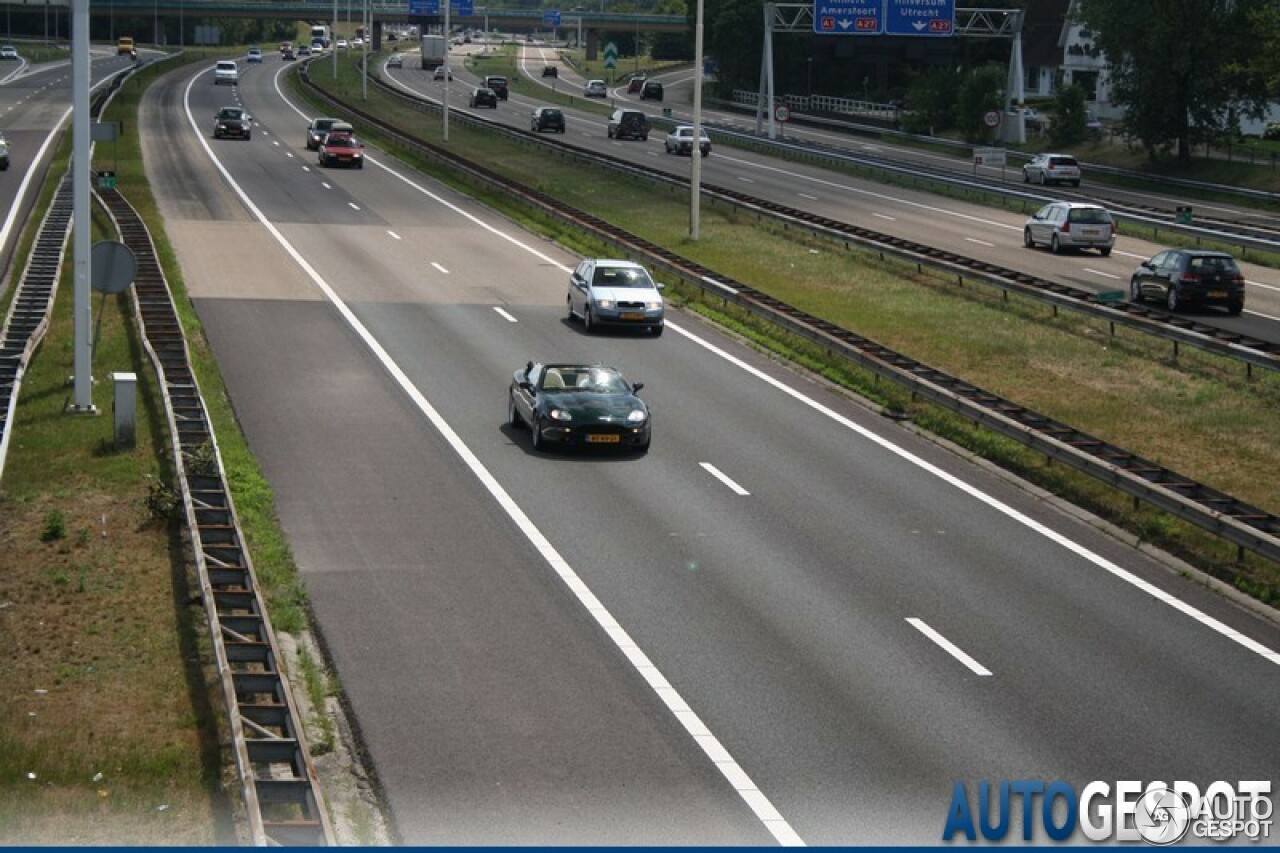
(1183, 277)
(651, 91)
(547, 118)
(317, 130)
(550, 71)
(483, 97)
(232, 121)
(584, 405)
(628, 124)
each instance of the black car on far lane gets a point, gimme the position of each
(232, 121)
(483, 97)
(1190, 277)
(547, 118)
(582, 405)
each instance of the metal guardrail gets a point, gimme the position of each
(281, 791)
(1250, 528)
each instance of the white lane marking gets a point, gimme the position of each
(950, 647)
(996, 504)
(720, 475)
(980, 242)
(1262, 285)
(504, 315)
(395, 236)
(806, 195)
(353, 205)
(440, 268)
(733, 773)
(885, 216)
(746, 180)
(326, 185)
(274, 142)
(1101, 273)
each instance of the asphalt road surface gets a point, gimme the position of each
(792, 621)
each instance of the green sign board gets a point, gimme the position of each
(106, 180)
(610, 55)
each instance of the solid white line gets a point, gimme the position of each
(950, 647)
(1101, 273)
(505, 315)
(755, 799)
(996, 504)
(981, 242)
(442, 269)
(719, 475)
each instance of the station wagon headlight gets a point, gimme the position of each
(604, 303)
(637, 416)
(560, 415)
(653, 306)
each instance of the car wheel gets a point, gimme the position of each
(1026, 177)
(1075, 183)
(1055, 246)
(569, 302)
(657, 330)
(588, 324)
(513, 414)
(1043, 180)
(248, 136)
(360, 165)
(1135, 290)
(1171, 300)
(1027, 239)
(1235, 308)
(643, 448)
(1105, 251)
(536, 428)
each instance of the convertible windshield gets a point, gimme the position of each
(599, 379)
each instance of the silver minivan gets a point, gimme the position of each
(226, 71)
(1062, 225)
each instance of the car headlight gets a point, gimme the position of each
(637, 416)
(604, 303)
(560, 415)
(653, 306)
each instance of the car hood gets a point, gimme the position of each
(627, 294)
(592, 405)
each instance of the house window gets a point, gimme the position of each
(1031, 80)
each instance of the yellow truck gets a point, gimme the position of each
(124, 44)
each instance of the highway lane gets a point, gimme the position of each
(971, 230)
(35, 100)
(780, 615)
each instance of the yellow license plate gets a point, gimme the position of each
(1217, 294)
(632, 315)
(604, 439)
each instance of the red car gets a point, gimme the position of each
(342, 149)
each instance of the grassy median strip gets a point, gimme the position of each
(1193, 412)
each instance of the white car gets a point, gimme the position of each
(443, 71)
(1063, 225)
(8, 52)
(395, 61)
(226, 71)
(615, 293)
(254, 55)
(1052, 169)
(680, 141)
(595, 89)
(342, 44)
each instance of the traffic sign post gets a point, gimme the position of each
(848, 17)
(551, 19)
(610, 56)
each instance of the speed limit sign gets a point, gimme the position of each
(991, 118)
(782, 113)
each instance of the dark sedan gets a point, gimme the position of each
(1190, 277)
(547, 118)
(584, 405)
(232, 121)
(484, 97)
(317, 130)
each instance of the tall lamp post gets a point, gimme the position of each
(695, 154)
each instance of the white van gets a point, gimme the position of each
(226, 71)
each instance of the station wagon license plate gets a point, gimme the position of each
(632, 315)
(1217, 294)
(603, 438)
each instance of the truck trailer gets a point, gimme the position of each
(435, 52)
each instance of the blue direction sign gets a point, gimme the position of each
(433, 7)
(848, 17)
(920, 17)
(551, 18)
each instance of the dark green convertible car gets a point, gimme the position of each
(587, 405)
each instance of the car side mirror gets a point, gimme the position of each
(660, 286)
(635, 389)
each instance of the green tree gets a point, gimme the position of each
(1069, 116)
(930, 101)
(733, 32)
(979, 92)
(1183, 70)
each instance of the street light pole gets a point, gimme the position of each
(448, 69)
(695, 153)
